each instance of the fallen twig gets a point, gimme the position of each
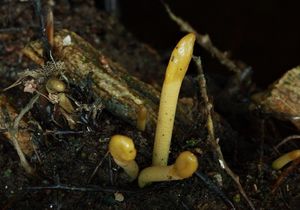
(286, 140)
(97, 167)
(38, 12)
(13, 133)
(211, 186)
(204, 41)
(80, 189)
(285, 174)
(211, 134)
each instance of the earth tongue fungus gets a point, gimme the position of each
(285, 159)
(186, 164)
(177, 67)
(123, 152)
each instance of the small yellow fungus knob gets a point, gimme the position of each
(186, 164)
(55, 85)
(177, 67)
(142, 118)
(285, 159)
(123, 152)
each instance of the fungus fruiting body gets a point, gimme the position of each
(285, 159)
(185, 165)
(56, 86)
(142, 118)
(123, 152)
(176, 70)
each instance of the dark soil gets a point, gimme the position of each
(66, 159)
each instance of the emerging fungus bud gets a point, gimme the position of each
(56, 86)
(285, 159)
(186, 164)
(142, 118)
(123, 152)
(177, 67)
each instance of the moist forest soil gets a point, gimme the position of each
(66, 159)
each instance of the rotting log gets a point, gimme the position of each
(282, 98)
(122, 94)
(7, 115)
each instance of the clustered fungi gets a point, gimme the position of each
(122, 147)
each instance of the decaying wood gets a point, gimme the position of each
(282, 99)
(122, 94)
(23, 136)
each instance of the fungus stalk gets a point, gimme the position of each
(176, 70)
(123, 152)
(285, 159)
(186, 164)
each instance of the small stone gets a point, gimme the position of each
(119, 196)
(67, 41)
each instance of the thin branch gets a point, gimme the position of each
(211, 134)
(204, 41)
(287, 139)
(97, 167)
(215, 189)
(25, 110)
(13, 130)
(80, 189)
(38, 12)
(294, 166)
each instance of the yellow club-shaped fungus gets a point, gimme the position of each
(285, 159)
(123, 152)
(185, 165)
(176, 70)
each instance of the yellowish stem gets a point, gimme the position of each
(131, 168)
(165, 124)
(185, 165)
(156, 174)
(176, 70)
(123, 152)
(65, 103)
(285, 159)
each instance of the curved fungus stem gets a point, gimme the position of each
(186, 164)
(285, 159)
(176, 70)
(123, 151)
(65, 103)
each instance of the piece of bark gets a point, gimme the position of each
(122, 94)
(282, 99)
(23, 136)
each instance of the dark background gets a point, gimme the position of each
(264, 34)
